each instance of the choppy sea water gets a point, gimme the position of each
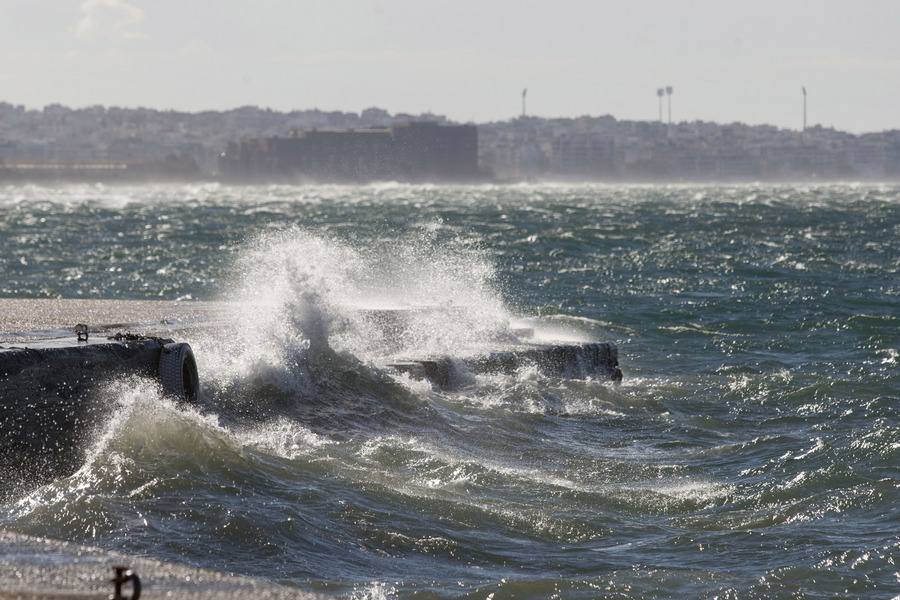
(752, 450)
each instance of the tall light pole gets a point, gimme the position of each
(525, 91)
(804, 108)
(660, 93)
(669, 93)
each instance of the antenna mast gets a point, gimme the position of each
(669, 93)
(804, 108)
(660, 93)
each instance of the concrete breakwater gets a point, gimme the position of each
(50, 364)
(598, 360)
(513, 349)
(48, 372)
(48, 413)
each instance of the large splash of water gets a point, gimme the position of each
(301, 293)
(313, 320)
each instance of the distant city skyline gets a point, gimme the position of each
(468, 60)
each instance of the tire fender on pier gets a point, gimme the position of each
(178, 372)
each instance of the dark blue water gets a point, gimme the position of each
(752, 450)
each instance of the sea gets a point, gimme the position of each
(752, 449)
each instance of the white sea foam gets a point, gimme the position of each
(283, 437)
(298, 292)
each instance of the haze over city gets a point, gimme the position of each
(471, 61)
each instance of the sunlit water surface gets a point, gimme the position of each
(752, 450)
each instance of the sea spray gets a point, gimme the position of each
(750, 452)
(137, 424)
(299, 295)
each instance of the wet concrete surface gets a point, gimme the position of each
(31, 318)
(36, 568)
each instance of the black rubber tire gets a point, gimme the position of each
(178, 372)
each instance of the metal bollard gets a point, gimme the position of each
(124, 575)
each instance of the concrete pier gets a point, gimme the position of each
(24, 319)
(46, 411)
(48, 371)
(50, 362)
(514, 350)
(48, 414)
(573, 361)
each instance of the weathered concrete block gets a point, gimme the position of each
(598, 360)
(47, 411)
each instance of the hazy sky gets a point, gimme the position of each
(468, 59)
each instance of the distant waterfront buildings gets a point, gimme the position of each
(112, 144)
(410, 151)
(606, 149)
